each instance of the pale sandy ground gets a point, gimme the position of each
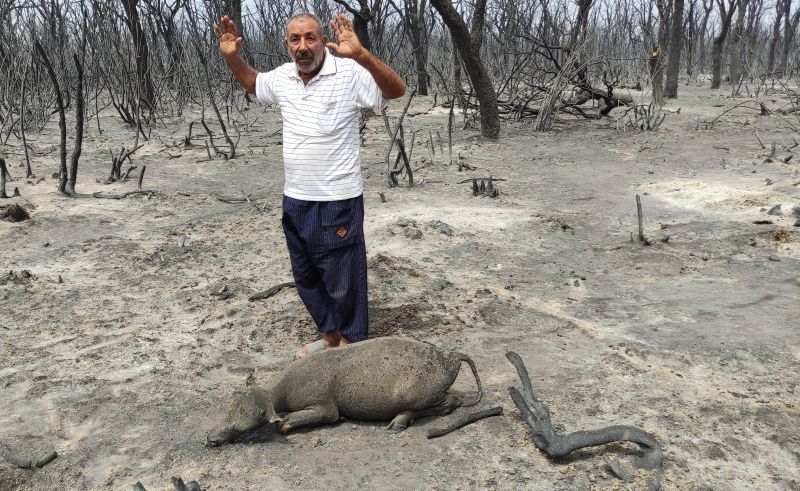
(124, 366)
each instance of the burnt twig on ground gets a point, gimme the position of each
(537, 416)
(123, 195)
(46, 459)
(177, 483)
(481, 178)
(26, 463)
(270, 291)
(237, 200)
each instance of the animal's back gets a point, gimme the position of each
(378, 378)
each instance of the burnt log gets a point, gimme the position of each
(556, 446)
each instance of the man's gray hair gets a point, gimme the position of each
(303, 15)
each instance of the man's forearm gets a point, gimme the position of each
(244, 73)
(390, 83)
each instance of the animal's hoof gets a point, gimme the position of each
(395, 428)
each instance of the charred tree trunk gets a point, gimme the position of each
(456, 73)
(582, 22)
(654, 68)
(657, 56)
(701, 55)
(578, 35)
(675, 46)
(79, 112)
(476, 70)
(735, 67)
(233, 9)
(28, 171)
(415, 24)
(145, 83)
(163, 16)
(3, 173)
(776, 34)
(691, 33)
(62, 124)
(477, 27)
(726, 15)
(789, 27)
(361, 18)
(751, 37)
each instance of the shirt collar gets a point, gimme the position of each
(328, 66)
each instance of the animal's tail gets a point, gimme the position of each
(461, 357)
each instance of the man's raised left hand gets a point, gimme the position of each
(349, 45)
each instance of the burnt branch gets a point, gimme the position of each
(263, 295)
(393, 138)
(537, 416)
(465, 420)
(62, 124)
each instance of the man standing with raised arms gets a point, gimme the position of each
(323, 206)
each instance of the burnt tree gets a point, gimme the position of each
(736, 44)
(789, 27)
(675, 45)
(415, 26)
(361, 18)
(468, 45)
(79, 113)
(657, 56)
(163, 15)
(726, 16)
(708, 7)
(776, 35)
(3, 173)
(145, 83)
(62, 124)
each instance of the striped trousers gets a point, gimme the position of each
(329, 262)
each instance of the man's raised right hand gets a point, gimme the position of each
(229, 39)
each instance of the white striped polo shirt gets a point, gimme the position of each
(320, 126)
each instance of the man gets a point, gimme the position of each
(323, 207)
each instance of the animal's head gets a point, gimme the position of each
(246, 412)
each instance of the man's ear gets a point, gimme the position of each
(325, 40)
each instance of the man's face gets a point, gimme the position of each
(306, 44)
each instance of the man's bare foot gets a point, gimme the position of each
(329, 340)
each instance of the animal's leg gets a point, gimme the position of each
(402, 420)
(314, 415)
